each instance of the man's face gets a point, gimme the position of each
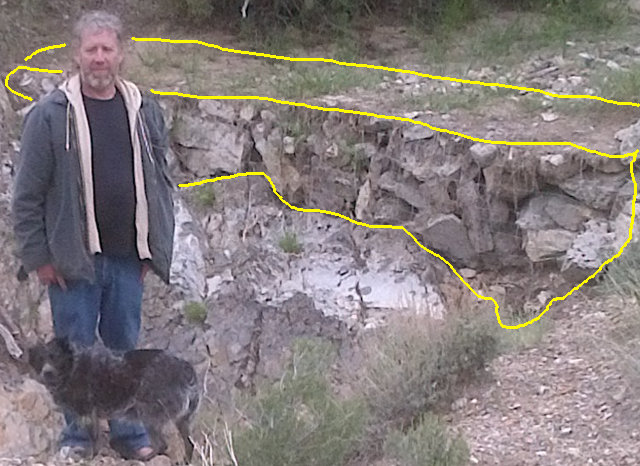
(99, 57)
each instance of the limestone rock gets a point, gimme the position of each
(558, 166)
(209, 146)
(219, 110)
(447, 233)
(28, 420)
(591, 247)
(597, 190)
(483, 154)
(621, 227)
(268, 143)
(408, 189)
(474, 215)
(364, 200)
(416, 132)
(541, 245)
(629, 138)
(187, 267)
(551, 210)
(513, 178)
(7, 116)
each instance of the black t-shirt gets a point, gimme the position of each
(113, 183)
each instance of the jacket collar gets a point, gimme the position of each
(69, 91)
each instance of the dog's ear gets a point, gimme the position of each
(36, 357)
(64, 344)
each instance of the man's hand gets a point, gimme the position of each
(143, 271)
(48, 275)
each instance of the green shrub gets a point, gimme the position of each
(205, 195)
(289, 243)
(195, 312)
(415, 364)
(298, 420)
(622, 276)
(427, 443)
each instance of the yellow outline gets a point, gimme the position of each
(59, 46)
(383, 68)
(400, 227)
(391, 117)
(41, 70)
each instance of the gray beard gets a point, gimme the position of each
(98, 82)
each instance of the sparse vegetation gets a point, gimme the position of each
(416, 363)
(524, 337)
(621, 85)
(205, 195)
(304, 81)
(427, 443)
(298, 420)
(289, 243)
(622, 276)
(195, 312)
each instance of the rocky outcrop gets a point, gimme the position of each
(481, 207)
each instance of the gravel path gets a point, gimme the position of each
(566, 401)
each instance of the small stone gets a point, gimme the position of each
(549, 117)
(483, 154)
(268, 115)
(459, 404)
(613, 65)
(289, 145)
(565, 430)
(160, 460)
(575, 80)
(588, 58)
(248, 112)
(468, 273)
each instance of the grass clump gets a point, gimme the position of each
(289, 243)
(621, 85)
(195, 312)
(205, 195)
(416, 364)
(427, 443)
(298, 420)
(303, 81)
(622, 276)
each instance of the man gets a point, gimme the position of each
(93, 209)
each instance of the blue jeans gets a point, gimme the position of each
(111, 305)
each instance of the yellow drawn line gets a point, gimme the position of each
(392, 117)
(383, 68)
(400, 227)
(58, 46)
(41, 70)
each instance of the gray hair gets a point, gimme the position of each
(96, 21)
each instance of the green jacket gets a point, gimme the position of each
(49, 194)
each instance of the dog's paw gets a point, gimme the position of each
(75, 453)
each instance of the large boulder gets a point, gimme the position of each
(207, 146)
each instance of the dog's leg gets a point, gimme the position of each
(184, 427)
(94, 431)
(157, 440)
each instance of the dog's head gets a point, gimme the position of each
(52, 361)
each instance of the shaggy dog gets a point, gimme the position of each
(148, 386)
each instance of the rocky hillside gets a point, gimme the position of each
(521, 223)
